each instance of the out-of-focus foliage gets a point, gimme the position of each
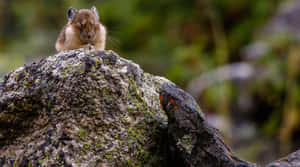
(175, 38)
(178, 39)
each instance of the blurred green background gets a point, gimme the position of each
(194, 43)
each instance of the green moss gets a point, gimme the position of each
(26, 73)
(51, 83)
(133, 85)
(16, 75)
(129, 107)
(106, 91)
(142, 157)
(98, 144)
(135, 133)
(82, 152)
(99, 61)
(106, 61)
(68, 68)
(82, 133)
(93, 68)
(116, 136)
(152, 113)
(12, 152)
(86, 147)
(63, 74)
(108, 156)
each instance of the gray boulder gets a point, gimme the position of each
(92, 108)
(81, 108)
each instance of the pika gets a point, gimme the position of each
(83, 29)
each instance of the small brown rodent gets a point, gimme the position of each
(83, 29)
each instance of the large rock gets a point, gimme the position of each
(81, 108)
(95, 109)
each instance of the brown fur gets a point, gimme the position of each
(83, 29)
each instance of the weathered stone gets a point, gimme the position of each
(95, 109)
(81, 108)
(193, 142)
(292, 160)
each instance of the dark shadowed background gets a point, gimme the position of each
(239, 58)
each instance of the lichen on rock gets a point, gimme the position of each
(185, 143)
(92, 108)
(81, 108)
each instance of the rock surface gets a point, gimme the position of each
(191, 140)
(81, 108)
(95, 109)
(292, 160)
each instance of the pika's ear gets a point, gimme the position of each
(94, 9)
(71, 12)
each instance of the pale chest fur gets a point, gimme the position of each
(69, 39)
(72, 38)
